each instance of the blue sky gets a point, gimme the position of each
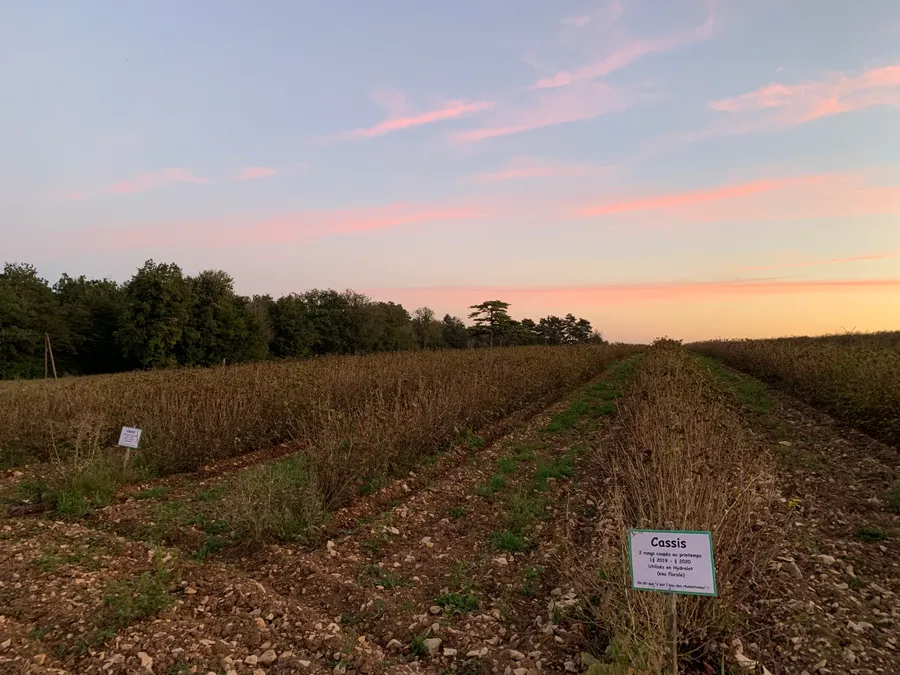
(692, 168)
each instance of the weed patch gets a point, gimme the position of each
(871, 533)
(279, 500)
(386, 578)
(463, 601)
(133, 598)
(493, 485)
(152, 493)
(507, 540)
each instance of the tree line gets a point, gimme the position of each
(163, 318)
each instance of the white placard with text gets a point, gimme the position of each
(130, 437)
(672, 561)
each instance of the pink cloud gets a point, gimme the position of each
(626, 293)
(627, 54)
(812, 263)
(576, 21)
(148, 180)
(796, 198)
(291, 227)
(573, 104)
(778, 105)
(252, 172)
(451, 110)
(391, 100)
(666, 201)
(526, 167)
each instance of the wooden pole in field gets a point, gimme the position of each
(52, 360)
(45, 355)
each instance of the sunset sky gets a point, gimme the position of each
(690, 168)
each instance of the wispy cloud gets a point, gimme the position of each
(146, 180)
(626, 54)
(251, 172)
(675, 199)
(780, 105)
(149, 180)
(621, 293)
(576, 21)
(529, 167)
(573, 104)
(449, 111)
(836, 195)
(243, 231)
(814, 263)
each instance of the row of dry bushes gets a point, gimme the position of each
(680, 461)
(859, 385)
(379, 410)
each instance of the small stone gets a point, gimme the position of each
(515, 655)
(268, 656)
(520, 671)
(821, 664)
(427, 541)
(409, 559)
(849, 656)
(330, 545)
(231, 672)
(435, 609)
(502, 561)
(190, 590)
(5, 644)
(146, 660)
(284, 656)
(393, 530)
(251, 660)
(395, 645)
(827, 559)
(786, 444)
(433, 644)
(261, 624)
(304, 663)
(744, 662)
(570, 667)
(40, 658)
(449, 651)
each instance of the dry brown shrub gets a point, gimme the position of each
(353, 416)
(680, 462)
(859, 385)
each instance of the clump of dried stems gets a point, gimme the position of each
(681, 461)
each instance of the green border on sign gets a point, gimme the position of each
(712, 560)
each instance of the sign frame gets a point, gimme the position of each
(712, 560)
(137, 440)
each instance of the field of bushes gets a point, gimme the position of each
(353, 418)
(854, 377)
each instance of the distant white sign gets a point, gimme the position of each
(130, 437)
(672, 561)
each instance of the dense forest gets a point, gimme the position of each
(163, 318)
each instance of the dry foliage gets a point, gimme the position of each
(355, 417)
(680, 462)
(859, 385)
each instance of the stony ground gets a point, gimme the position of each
(457, 567)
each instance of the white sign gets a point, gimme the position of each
(130, 437)
(672, 561)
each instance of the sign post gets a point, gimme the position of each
(129, 439)
(674, 562)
